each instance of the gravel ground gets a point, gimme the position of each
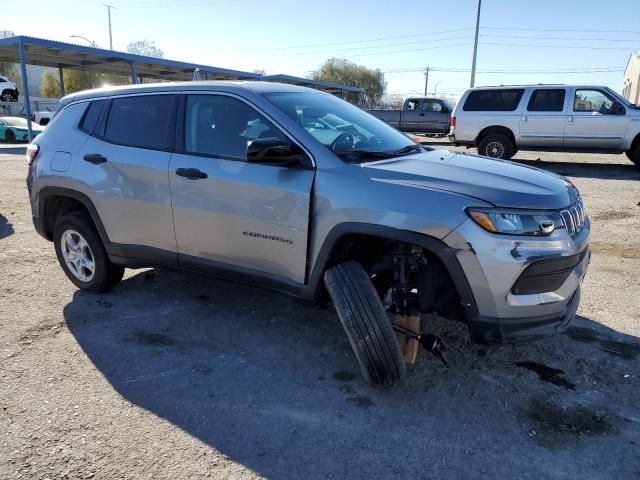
(175, 375)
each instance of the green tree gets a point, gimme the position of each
(147, 48)
(76, 80)
(348, 73)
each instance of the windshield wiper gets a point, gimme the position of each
(364, 154)
(406, 150)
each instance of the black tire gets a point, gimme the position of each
(9, 136)
(366, 323)
(105, 274)
(634, 156)
(496, 145)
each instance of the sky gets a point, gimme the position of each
(521, 41)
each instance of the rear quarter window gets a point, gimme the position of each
(91, 115)
(499, 100)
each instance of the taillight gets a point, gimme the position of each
(453, 122)
(32, 152)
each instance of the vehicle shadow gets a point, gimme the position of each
(13, 148)
(608, 171)
(271, 383)
(6, 228)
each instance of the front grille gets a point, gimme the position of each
(574, 218)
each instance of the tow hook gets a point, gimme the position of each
(431, 343)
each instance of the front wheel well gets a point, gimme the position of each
(57, 205)
(429, 285)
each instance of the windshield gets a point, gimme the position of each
(15, 121)
(349, 132)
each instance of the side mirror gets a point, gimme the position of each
(444, 109)
(617, 109)
(274, 151)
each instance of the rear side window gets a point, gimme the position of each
(502, 100)
(91, 115)
(141, 121)
(547, 100)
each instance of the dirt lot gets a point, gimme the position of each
(174, 375)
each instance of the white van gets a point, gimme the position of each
(499, 121)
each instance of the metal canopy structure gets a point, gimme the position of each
(50, 53)
(334, 88)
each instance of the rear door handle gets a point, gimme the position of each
(422, 114)
(94, 158)
(523, 119)
(191, 173)
(570, 119)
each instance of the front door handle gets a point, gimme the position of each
(191, 173)
(94, 158)
(422, 114)
(570, 119)
(523, 119)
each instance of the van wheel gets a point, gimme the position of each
(496, 145)
(634, 155)
(366, 323)
(82, 255)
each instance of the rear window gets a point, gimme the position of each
(547, 100)
(91, 115)
(140, 121)
(502, 100)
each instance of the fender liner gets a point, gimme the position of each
(440, 249)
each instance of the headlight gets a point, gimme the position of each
(516, 222)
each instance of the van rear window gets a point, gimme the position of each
(501, 100)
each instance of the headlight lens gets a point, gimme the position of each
(516, 222)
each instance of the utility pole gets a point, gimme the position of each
(475, 47)
(426, 81)
(109, 7)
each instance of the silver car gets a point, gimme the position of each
(499, 121)
(298, 191)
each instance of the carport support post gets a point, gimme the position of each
(206, 75)
(61, 77)
(25, 88)
(134, 75)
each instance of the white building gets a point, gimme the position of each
(631, 85)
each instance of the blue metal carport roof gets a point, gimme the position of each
(51, 53)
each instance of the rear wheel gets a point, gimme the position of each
(366, 323)
(496, 145)
(82, 255)
(9, 136)
(634, 155)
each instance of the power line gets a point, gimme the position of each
(561, 38)
(559, 70)
(179, 5)
(554, 46)
(380, 39)
(581, 30)
(374, 47)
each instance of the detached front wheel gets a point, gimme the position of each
(366, 323)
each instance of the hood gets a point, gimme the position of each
(500, 182)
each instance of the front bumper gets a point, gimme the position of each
(524, 287)
(501, 331)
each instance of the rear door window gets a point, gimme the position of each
(547, 100)
(499, 100)
(431, 106)
(141, 121)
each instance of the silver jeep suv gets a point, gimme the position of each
(300, 192)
